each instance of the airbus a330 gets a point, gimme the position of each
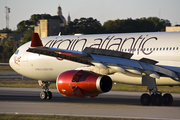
(87, 65)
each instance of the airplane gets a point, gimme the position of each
(87, 65)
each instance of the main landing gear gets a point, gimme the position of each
(154, 97)
(46, 94)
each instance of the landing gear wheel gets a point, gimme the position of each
(167, 99)
(49, 95)
(145, 99)
(43, 95)
(46, 94)
(157, 100)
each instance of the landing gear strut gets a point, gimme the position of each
(46, 94)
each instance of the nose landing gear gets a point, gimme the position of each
(46, 94)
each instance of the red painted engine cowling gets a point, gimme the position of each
(79, 83)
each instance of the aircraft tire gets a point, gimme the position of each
(167, 99)
(157, 100)
(43, 95)
(145, 99)
(49, 95)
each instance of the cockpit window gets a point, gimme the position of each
(17, 51)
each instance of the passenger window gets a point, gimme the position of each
(153, 49)
(160, 49)
(167, 48)
(177, 48)
(147, 49)
(163, 48)
(17, 51)
(157, 49)
(170, 48)
(173, 48)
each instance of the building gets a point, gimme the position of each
(48, 27)
(172, 28)
(59, 13)
(51, 27)
(16, 36)
(68, 19)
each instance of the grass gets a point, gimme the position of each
(54, 117)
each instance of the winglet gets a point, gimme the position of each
(36, 41)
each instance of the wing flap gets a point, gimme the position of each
(104, 52)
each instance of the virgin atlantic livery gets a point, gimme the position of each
(87, 65)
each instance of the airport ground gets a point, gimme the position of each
(115, 104)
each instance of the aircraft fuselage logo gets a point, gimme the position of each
(119, 43)
(17, 60)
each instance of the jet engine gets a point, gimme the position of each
(79, 83)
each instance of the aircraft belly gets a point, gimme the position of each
(129, 78)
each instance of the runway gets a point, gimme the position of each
(112, 104)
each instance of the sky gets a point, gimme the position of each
(102, 10)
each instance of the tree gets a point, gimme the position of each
(27, 26)
(27, 36)
(9, 42)
(7, 49)
(84, 25)
(6, 30)
(159, 24)
(151, 24)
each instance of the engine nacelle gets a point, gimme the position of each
(79, 83)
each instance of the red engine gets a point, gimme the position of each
(81, 83)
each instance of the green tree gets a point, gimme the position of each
(151, 24)
(7, 49)
(9, 42)
(6, 30)
(27, 36)
(85, 26)
(27, 26)
(159, 24)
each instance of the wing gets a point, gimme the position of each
(115, 60)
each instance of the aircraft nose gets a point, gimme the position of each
(11, 62)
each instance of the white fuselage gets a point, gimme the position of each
(163, 47)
